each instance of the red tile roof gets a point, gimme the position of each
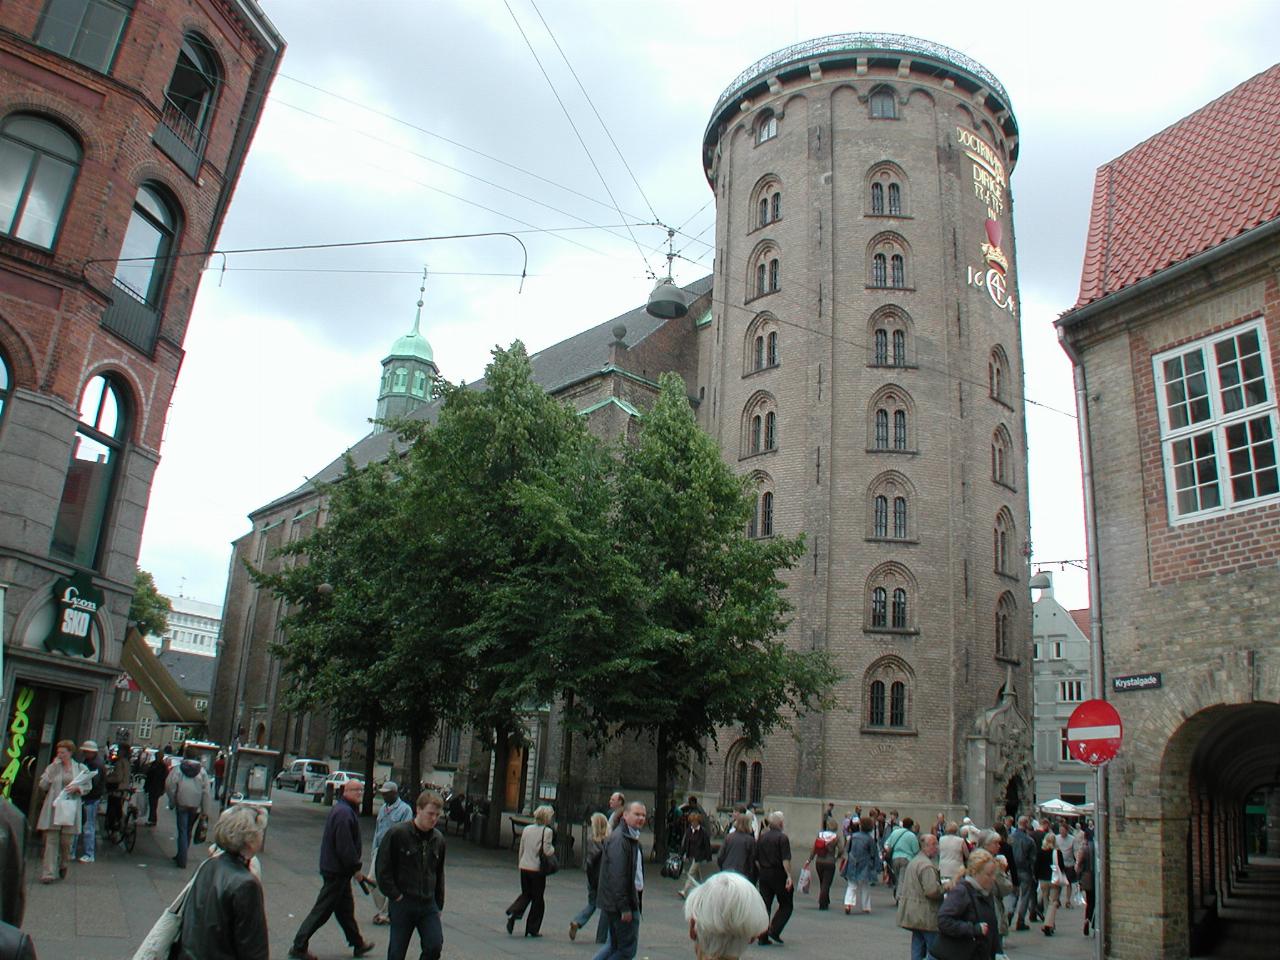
(1211, 176)
(1081, 617)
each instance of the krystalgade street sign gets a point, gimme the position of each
(1094, 733)
(1138, 681)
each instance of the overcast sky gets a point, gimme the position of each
(407, 118)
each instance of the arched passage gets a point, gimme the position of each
(1219, 874)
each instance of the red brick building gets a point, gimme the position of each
(1176, 345)
(123, 128)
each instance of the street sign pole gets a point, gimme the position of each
(1094, 736)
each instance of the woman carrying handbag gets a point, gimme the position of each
(537, 859)
(59, 820)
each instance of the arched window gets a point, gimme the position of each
(189, 100)
(882, 347)
(899, 429)
(761, 521)
(419, 383)
(900, 518)
(879, 270)
(773, 275)
(386, 380)
(895, 200)
(881, 526)
(897, 271)
(86, 31)
(143, 267)
(759, 424)
(740, 794)
(39, 162)
(890, 403)
(877, 198)
(875, 716)
(898, 704)
(879, 607)
(777, 205)
(891, 594)
(885, 190)
(899, 348)
(772, 354)
(764, 211)
(401, 383)
(883, 104)
(767, 127)
(882, 429)
(766, 514)
(1006, 609)
(759, 363)
(761, 345)
(767, 200)
(757, 782)
(889, 517)
(1002, 457)
(86, 494)
(770, 430)
(890, 341)
(755, 433)
(761, 280)
(998, 375)
(743, 774)
(766, 271)
(1003, 540)
(6, 385)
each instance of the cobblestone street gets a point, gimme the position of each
(103, 910)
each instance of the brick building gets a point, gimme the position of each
(123, 128)
(1176, 344)
(860, 360)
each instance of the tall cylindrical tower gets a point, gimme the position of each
(866, 371)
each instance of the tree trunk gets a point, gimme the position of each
(661, 796)
(497, 788)
(566, 812)
(409, 791)
(370, 754)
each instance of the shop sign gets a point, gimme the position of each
(17, 738)
(76, 601)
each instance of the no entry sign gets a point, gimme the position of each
(1094, 732)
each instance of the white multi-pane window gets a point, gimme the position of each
(1217, 406)
(1070, 691)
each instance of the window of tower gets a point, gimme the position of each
(1002, 457)
(761, 344)
(890, 421)
(419, 388)
(766, 271)
(1006, 609)
(401, 382)
(760, 425)
(885, 190)
(887, 261)
(998, 375)
(767, 126)
(889, 497)
(890, 593)
(884, 105)
(1003, 535)
(890, 338)
(766, 201)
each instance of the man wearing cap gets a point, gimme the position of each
(97, 789)
(394, 810)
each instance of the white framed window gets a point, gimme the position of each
(1035, 650)
(144, 728)
(1056, 647)
(1064, 746)
(1217, 405)
(1070, 691)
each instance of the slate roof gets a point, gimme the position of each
(1211, 176)
(193, 672)
(554, 368)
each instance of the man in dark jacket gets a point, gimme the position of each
(411, 875)
(1024, 860)
(622, 885)
(97, 790)
(773, 867)
(157, 774)
(339, 864)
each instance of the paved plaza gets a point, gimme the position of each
(103, 910)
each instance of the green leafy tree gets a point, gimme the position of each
(706, 651)
(148, 609)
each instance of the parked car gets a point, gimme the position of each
(304, 776)
(339, 777)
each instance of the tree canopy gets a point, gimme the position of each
(148, 609)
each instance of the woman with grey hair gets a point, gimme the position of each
(536, 840)
(224, 917)
(725, 913)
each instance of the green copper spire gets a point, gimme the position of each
(413, 345)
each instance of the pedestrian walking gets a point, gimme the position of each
(224, 916)
(1052, 890)
(725, 914)
(187, 788)
(773, 868)
(738, 849)
(1024, 860)
(340, 863)
(616, 802)
(92, 797)
(967, 918)
(157, 774)
(862, 864)
(537, 840)
(696, 848)
(828, 848)
(59, 830)
(219, 774)
(598, 833)
(621, 892)
(1002, 885)
(899, 847)
(411, 874)
(394, 810)
(1085, 876)
(952, 853)
(920, 896)
(117, 784)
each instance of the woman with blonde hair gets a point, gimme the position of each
(536, 841)
(1051, 892)
(967, 921)
(596, 837)
(725, 914)
(59, 776)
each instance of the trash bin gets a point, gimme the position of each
(478, 823)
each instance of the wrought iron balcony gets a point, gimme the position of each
(182, 140)
(129, 317)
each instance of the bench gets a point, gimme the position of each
(517, 827)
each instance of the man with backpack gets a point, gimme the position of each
(187, 788)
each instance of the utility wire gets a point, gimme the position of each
(591, 104)
(576, 133)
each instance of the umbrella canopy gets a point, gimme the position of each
(1060, 808)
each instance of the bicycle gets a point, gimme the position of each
(125, 831)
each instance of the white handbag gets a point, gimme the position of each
(160, 939)
(66, 811)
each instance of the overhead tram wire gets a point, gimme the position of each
(461, 146)
(586, 96)
(576, 133)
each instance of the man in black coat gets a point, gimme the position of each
(622, 885)
(773, 866)
(411, 875)
(157, 774)
(340, 851)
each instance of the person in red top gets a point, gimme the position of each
(219, 771)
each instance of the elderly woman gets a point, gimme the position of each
(58, 776)
(725, 913)
(951, 853)
(224, 917)
(967, 921)
(862, 865)
(591, 864)
(535, 840)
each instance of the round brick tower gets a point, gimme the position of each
(865, 369)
